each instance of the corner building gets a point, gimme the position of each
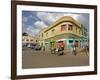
(65, 30)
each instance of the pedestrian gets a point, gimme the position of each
(87, 50)
(61, 48)
(52, 48)
(43, 48)
(74, 52)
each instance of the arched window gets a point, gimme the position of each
(70, 27)
(63, 27)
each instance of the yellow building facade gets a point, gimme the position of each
(65, 29)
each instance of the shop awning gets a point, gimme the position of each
(52, 41)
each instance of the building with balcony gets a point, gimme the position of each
(65, 30)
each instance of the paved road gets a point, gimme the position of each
(43, 59)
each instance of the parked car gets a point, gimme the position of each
(33, 46)
(28, 45)
(37, 47)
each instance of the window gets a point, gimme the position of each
(60, 41)
(31, 40)
(46, 34)
(53, 30)
(27, 40)
(63, 27)
(76, 41)
(42, 34)
(76, 29)
(82, 32)
(70, 27)
(36, 40)
(79, 31)
(70, 41)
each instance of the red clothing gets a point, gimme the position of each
(75, 44)
(61, 44)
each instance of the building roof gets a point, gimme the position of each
(63, 19)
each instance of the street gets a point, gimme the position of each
(43, 59)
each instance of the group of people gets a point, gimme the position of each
(59, 49)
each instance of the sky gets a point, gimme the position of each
(34, 21)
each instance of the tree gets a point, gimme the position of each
(24, 34)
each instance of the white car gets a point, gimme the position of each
(29, 45)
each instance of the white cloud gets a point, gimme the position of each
(31, 31)
(50, 17)
(40, 24)
(25, 19)
(35, 28)
(75, 16)
(46, 17)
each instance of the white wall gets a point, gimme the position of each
(5, 31)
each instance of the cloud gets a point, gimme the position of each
(84, 19)
(72, 15)
(25, 19)
(46, 17)
(33, 32)
(34, 29)
(50, 17)
(39, 24)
